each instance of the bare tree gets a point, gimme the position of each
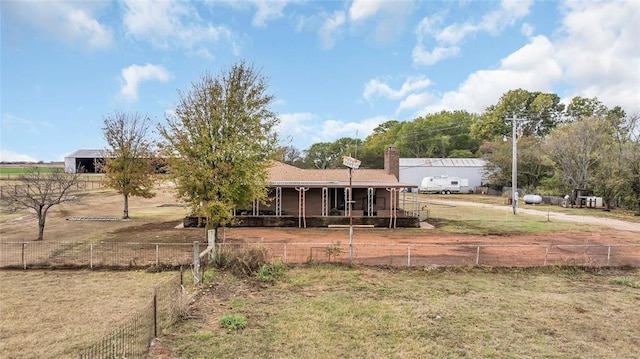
(39, 190)
(128, 162)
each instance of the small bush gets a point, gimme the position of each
(241, 261)
(270, 272)
(233, 322)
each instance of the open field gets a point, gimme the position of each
(52, 314)
(340, 312)
(304, 300)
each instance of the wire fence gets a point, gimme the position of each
(103, 255)
(418, 255)
(133, 338)
(8, 190)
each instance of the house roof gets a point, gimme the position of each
(284, 175)
(442, 162)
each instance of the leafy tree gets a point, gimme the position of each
(372, 150)
(39, 191)
(290, 155)
(575, 150)
(437, 135)
(533, 168)
(221, 139)
(128, 163)
(540, 112)
(631, 156)
(581, 107)
(329, 154)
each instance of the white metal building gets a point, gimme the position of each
(83, 161)
(413, 170)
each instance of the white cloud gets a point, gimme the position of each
(531, 67)
(296, 127)
(267, 10)
(602, 60)
(170, 23)
(135, 74)
(421, 56)
(70, 21)
(415, 101)
(376, 87)
(330, 28)
(11, 122)
(333, 129)
(10, 156)
(448, 38)
(363, 9)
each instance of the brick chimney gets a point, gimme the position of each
(392, 161)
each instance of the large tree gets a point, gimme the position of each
(539, 114)
(575, 149)
(129, 166)
(329, 154)
(40, 190)
(220, 141)
(533, 167)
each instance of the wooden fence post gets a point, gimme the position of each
(196, 262)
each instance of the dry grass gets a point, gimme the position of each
(48, 314)
(341, 312)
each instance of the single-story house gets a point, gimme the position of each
(321, 197)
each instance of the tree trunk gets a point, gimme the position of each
(125, 212)
(42, 214)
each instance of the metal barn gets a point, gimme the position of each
(413, 170)
(83, 161)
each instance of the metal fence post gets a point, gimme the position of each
(24, 261)
(155, 312)
(91, 256)
(408, 256)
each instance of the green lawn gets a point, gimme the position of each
(341, 312)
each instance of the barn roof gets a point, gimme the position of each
(442, 162)
(86, 153)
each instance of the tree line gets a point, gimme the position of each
(581, 145)
(219, 142)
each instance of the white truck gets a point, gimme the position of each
(443, 184)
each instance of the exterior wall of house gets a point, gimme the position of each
(313, 200)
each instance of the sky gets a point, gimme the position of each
(336, 68)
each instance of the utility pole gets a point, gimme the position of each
(514, 164)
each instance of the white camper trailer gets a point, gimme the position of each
(443, 184)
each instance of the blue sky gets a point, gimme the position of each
(337, 68)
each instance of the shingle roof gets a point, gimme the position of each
(285, 175)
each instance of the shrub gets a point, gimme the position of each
(233, 322)
(270, 272)
(241, 261)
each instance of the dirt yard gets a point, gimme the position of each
(158, 220)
